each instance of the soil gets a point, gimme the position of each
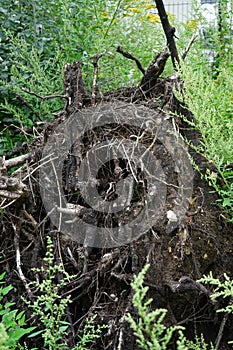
(200, 243)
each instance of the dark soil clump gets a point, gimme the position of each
(200, 242)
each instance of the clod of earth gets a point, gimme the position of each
(199, 241)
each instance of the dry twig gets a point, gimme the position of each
(131, 57)
(18, 261)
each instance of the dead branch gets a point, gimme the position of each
(17, 150)
(169, 32)
(10, 163)
(187, 284)
(11, 188)
(18, 261)
(95, 74)
(222, 326)
(154, 71)
(188, 47)
(75, 89)
(25, 103)
(131, 57)
(46, 97)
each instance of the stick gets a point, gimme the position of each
(187, 48)
(95, 74)
(169, 32)
(9, 163)
(47, 97)
(25, 103)
(154, 70)
(221, 329)
(18, 261)
(131, 57)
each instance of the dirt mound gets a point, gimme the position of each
(182, 233)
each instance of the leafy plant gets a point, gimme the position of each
(50, 34)
(210, 100)
(149, 329)
(12, 321)
(50, 308)
(222, 289)
(89, 335)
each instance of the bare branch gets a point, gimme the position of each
(95, 75)
(18, 261)
(154, 71)
(169, 32)
(187, 48)
(9, 163)
(131, 57)
(46, 97)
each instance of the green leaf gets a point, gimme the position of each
(35, 334)
(6, 290)
(226, 202)
(63, 329)
(16, 334)
(21, 317)
(9, 319)
(2, 275)
(8, 305)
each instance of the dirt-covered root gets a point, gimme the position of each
(189, 238)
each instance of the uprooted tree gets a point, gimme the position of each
(110, 180)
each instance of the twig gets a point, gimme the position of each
(154, 70)
(59, 193)
(46, 97)
(59, 250)
(131, 57)
(187, 284)
(221, 329)
(121, 338)
(30, 184)
(17, 150)
(40, 165)
(95, 74)
(18, 261)
(9, 163)
(187, 48)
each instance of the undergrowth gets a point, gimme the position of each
(48, 307)
(148, 326)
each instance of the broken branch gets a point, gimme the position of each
(131, 57)
(169, 32)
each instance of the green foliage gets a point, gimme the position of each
(211, 102)
(12, 321)
(149, 329)
(3, 338)
(197, 344)
(39, 38)
(90, 334)
(151, 333)
(50, 308)
(223, 289)
(208, 94)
